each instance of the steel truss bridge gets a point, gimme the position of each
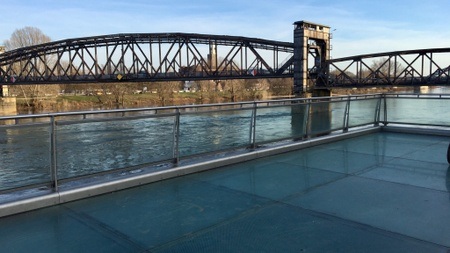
(399, 68)
(184, 56)
(147, 57)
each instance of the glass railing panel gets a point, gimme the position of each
(90, 147)
(362, 112)
(326, 117)
(337, 114)
(425, 111)
(24, 156)
(281, 122)
(88, 143)
(205, 132)
(320, 115)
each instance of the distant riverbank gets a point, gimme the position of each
(68, 102)
(72, 102)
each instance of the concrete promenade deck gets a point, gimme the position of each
(377, 192)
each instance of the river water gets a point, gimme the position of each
(86, 147)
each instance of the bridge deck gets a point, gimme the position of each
(381, 192)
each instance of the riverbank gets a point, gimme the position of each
(77, 102)
(72, 102)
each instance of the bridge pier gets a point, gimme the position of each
(321, 93)
(310, 40)
(8, 104)
(4, 91)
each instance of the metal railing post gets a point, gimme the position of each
(385, 110)
(252, 134)
(308, 119)
(376, 120)
(176, 137)
(53, 155)
(346, 115)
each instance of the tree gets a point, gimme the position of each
(281, 86)
(236, 89)
(255, 88)
(165, 91)
(202, 91)
(336, 75)
(384, 68)
(24, 37)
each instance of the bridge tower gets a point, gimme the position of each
(7, 104)
(212, 56)
(310, 40)
(3, 88)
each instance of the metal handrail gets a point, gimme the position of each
(380, 115)
(181, 107)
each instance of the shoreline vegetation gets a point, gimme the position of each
(66, 103)
(32, 99)
(115, 97)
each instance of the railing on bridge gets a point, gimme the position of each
(51, 149)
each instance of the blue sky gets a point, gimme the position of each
(362, 26)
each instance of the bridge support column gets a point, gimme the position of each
(321, 93)
(310, 40)
(8, 107)
(7, 104)
(3, 88)
(212, 56)
(4, 91)
(300, 62)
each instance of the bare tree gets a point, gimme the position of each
(24, 37)
(207, 91)
(236, 89)
(253, 88)
(281, 86)
(387, 66)
(165, 91)
(336, 75)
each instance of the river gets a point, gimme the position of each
(86, 147)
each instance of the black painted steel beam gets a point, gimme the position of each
(145, 57)
(424, 67)
(188, 56)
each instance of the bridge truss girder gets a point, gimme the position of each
(147, 57)
(400, 68)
